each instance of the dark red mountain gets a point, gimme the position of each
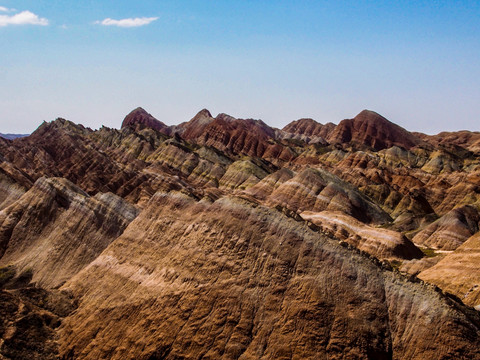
(373, 130)
(140, 117)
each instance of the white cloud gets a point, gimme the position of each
(22, 18)
(3, 9)
(131, 22)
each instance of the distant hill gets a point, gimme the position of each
(12, 136)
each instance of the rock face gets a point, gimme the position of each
(224, 238)
(56, 229)
(13, 184)
(232, 280)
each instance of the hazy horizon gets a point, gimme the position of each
(416, 63)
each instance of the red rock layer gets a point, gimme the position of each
(238, 136)
(371, 129)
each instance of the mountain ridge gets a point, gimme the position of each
(367, 128)
(227, 238)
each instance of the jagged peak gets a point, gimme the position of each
(61, 123)
(309, 129)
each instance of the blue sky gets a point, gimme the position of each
(415, 62)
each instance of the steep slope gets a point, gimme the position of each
(232, 279)
(459, 273)
(242, 174)
(451, 230)
(56, 229)
(13, 184)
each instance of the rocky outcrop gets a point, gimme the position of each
(63, 149)
(30, 317)
(469, 140)
(13, 184)
(382, 243)
(242, 174)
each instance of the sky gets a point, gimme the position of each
(92, 62)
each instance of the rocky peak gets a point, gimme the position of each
(371, 129)
(226, 132)
(300, 124)
(61, 124)
(140, 117)
(203, 117)
(203, 113)
(371, 116)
